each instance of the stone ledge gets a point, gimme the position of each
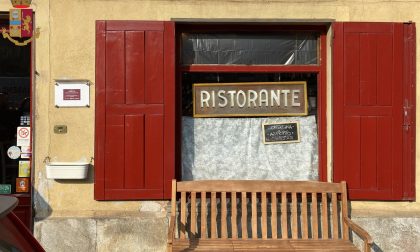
(102, 234)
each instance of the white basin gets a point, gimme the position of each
(67, 170)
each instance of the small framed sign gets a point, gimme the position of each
(288, 132)
(5, 188)
(72, 93)
(22, 184)
(250, 99)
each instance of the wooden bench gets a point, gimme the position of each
(238, 216)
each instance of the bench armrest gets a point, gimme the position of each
(367, 239)
(171, 231)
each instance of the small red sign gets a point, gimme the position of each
(23, 132)
(71, 94)
(22, 184)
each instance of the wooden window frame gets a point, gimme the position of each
(320, 70)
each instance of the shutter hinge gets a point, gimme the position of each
(407, 115)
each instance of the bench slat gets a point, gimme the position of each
(257, 186)
(224, 216)
(213, 215)
(264, 215)
(344, 211)
(203, 215)
(193, 215)
(234, 216)
(314, 215)
(183, 213)
(284, 216)
(304, 216)
(335, 216)
(324, 216)
(294, 216)
(254, 215)
(244, 216)
(274, 215)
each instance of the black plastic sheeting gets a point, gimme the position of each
(299, 48)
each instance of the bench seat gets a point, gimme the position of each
(264, 245)
(261, 215)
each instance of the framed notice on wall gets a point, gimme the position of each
(288, 132)
(72, 93)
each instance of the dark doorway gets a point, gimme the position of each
(15, 105)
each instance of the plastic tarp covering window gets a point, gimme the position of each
(233, 148)
(297, 48)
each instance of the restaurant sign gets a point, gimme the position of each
(250, 99)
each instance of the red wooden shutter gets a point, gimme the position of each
(370, 139)
(135, 110)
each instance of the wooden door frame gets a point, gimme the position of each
(320, 70)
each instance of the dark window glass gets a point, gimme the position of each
(296, 48)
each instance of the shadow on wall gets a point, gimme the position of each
(358, 241)
(41, 194)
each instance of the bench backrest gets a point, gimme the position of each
(253, 209)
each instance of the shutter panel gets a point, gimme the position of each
(135, 110)
(368, 132)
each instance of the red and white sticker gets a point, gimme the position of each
(23, 136)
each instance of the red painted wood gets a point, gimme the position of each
(135, 108)
(338, 99)
(114, 151)
(384, 153)
(154, 152)
(131, 120)
(352, 71)
(409, 131)
(24, 209)
(14, 232)
(368, 111)
(115, 67)
(368, 99)
(368, 27)
(397, 93)
(100, 73)
(119, 25)
(253, 68)
(368, 151)
(134, 172)
(368, 74)
(135, 68)
(169, 129)
(154, 67)
(384, 66)
(322, 109)
(352, 156)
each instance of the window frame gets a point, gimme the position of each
(320, 70)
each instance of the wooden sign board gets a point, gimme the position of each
(250, 99)
(281, 132)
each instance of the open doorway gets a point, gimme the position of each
(15, 112)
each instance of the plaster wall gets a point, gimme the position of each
(66, 49)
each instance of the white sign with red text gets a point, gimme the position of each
(23, 136)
